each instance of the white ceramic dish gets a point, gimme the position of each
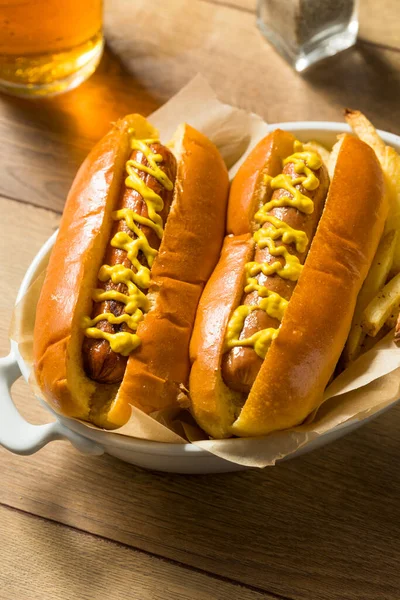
(23, 438)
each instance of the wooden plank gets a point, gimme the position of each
(378, 20)
(39, 173)
(41, 560)
(324, 526)
(245, 5)
(43, 142)
(250, 73)
(23, 230)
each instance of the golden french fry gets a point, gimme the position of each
(390, 162)
(370, 342)
(354, 344)
(384, 308)
(391, 166)
(364, 129)
(374, 281)
(380, 308)
(391, 321)
(317, 147)
(397, 331)
(392, 174)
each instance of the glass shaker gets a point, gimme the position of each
(306, 31)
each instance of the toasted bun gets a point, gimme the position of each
(188, 253)
(316, 323)
(72, 272)
(245, 197)
(214, 405)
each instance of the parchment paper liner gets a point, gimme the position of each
(368, 386)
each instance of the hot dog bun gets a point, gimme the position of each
(158, 369)
(302, 357)
(247, 188)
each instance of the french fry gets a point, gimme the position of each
(392, 173)
(390, 162)
(374, 281)
(366, 132)
(380, 308)
(317, 147)
(391, 321)
(391, 167)
(370, 342)
(397, 331)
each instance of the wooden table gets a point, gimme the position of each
(324, 526)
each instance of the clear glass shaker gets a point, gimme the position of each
(306, 31)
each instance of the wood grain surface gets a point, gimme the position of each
(152, 54)
(378, 20)
(91, 568)
(325, 526)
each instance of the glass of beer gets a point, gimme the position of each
(48, 46)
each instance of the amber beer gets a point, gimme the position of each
(48, 46)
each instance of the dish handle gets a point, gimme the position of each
(19, 436)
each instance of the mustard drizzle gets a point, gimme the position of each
(138, 278)
(305, 163)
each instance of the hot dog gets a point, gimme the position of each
(276, 312)
(267, 288)
(101, 363)
(140, 235)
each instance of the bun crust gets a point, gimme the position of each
(246, 190)
(214, 405)
(71, 274)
